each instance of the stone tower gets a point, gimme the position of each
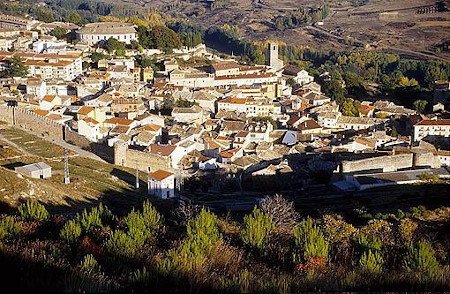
(120, 153)
(272, 59)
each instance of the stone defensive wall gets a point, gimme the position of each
(144, 161)
(392, 162)
(383, 163)
(48, 128)
(29, 120)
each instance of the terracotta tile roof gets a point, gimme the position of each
(160, 175)
(224, 65)
(84, 110)
(49, 98)
(54, 116)
(429, 122)
(309, 125)
(163, 150)
(365, 109)
(119, 121)
(90, 120)
(41, 112)
(150, 127)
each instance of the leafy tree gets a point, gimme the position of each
(122, 244)
(350, 107)
(15, 69)
(310, 240)
(74, 17)
(372, 262)
(58, 32)
(421, 258)
(114, 45)
(420, 105)
(33, 210)
(257, 228)
(159, 37)
(96, 57)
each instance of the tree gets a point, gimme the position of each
(310, 240)
(114, 45)
(421, 258)
(15, 69)
(58, 32)
(159, 37)
(257, 228)
(33, 210)
(74, 17)
(420, 105)
(281, 211)
(96, 57)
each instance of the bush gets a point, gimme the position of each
(372, 262)
(257, 228)
(152, 217)
(89, 220)
(281, 211)
(421, 258)
(9, 227)
(122, 244)
(33, 211)
(71, 231)
(89, 264)
(370, 242)
(310, 240)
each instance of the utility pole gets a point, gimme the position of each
(137, 176)
(66, 167)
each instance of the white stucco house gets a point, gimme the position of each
(161, 183)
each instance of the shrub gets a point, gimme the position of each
(281, 211)
(71, 231)
(89, 264)
(152, 217)
(137, 228)
(407, 229)
(9, 227)
(421, 258)
(310, 240)
(89, 220)
(140, 276)
(369, 242)
(371, 261)
(122, 244)
(33, 211)
(257, 228)
(202, 237)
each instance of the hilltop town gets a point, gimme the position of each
(142, 154)
(202, 117)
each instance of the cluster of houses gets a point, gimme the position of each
(223, 116)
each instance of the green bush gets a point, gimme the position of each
(89, 220)
(372, 262)
(122, 244)
(9, 227)
(33, 211)
(89, 264)
(369, 242)
(137, 228)
(71, 231)
(152, 217)
(310, 240)
(202, 236)
(421, 258)
(257, 228)
(140, 276)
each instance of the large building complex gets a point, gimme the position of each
(101, 31)
(48, 66)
